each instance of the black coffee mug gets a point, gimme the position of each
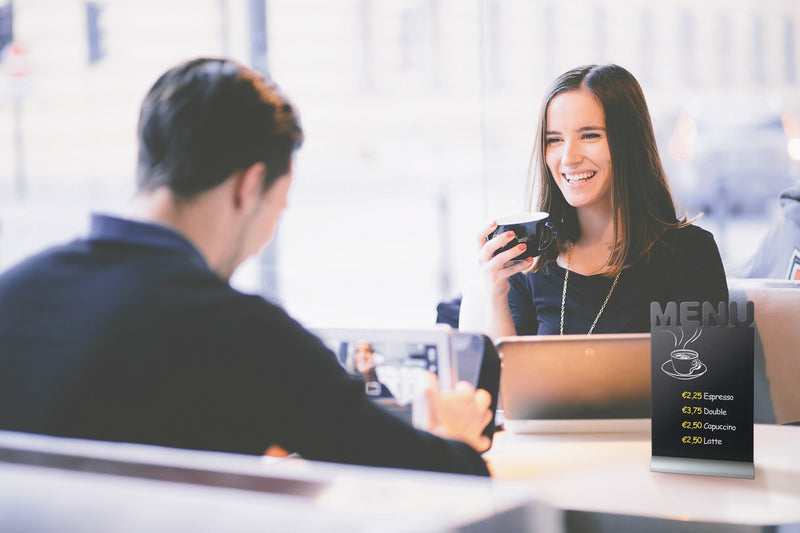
(533, 229)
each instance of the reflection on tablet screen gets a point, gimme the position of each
(391, 364)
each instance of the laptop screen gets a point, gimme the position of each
(575, 377)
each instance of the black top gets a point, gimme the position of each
(685, 266)
(127, 335)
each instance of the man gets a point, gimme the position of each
(134, 334)
(778, 255)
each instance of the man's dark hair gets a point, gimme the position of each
(208, 118)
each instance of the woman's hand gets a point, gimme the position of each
(496, 269)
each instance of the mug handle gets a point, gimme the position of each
(553, 236)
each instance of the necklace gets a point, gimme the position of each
(564, 292)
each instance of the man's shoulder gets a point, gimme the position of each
(260, 317)
(41, 260)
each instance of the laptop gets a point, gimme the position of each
(575, 383)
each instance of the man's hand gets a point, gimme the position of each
(461, 414)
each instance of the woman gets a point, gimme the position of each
(620, 245)
(364, 360)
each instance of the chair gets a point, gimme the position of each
(777, 345)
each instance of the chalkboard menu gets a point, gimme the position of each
(702, 389)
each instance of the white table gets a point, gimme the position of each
(610, 473)
(80, 486)
(551, 483)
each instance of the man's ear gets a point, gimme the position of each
(248, 188)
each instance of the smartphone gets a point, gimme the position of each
(478, 363)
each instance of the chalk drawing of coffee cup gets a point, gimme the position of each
(684, 364)
(684, 361)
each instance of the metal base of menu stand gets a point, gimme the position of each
(702, 467)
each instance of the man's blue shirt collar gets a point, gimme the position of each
(122, 230)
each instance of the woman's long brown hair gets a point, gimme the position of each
(641, 196)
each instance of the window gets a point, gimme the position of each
(411, 143)
(688, 46)
(757, 50)
(723, 57)
(789, 51)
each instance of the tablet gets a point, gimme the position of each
(391, 362)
